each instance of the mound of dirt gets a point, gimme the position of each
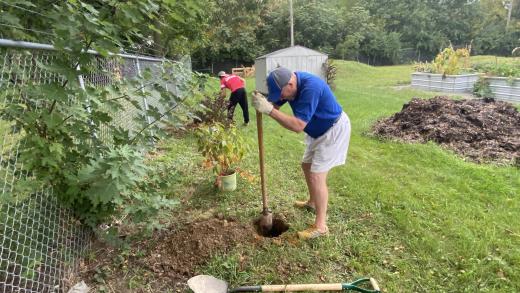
(178, 252)
(483, 130)
(169, 258)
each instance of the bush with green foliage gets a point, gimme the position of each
(222, 147)
(60, 123)
(511, 70)
(213, 109)
(425, 67)
(448, 62)
(330, 73)
(481, 89)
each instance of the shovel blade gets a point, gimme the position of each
(207, 284)
(266, 220)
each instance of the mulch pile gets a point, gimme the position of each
(483, 130)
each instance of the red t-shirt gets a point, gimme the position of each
(231, 82)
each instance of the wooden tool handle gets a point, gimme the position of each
(260, 131)
(374, 284)
(302, 287)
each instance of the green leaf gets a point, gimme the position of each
(10, 18)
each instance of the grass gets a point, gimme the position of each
(494, 59)
(414, 216)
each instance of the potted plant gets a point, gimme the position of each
(223, 148)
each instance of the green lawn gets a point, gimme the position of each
(414, 216)
(497, 59)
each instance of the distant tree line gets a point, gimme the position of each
(238, 31)
(372, 31)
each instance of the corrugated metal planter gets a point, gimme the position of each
(450, 83)
(297, 58)
(505, 88)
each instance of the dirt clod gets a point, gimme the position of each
(482, 130)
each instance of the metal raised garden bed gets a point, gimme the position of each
(449, 83)
(504, 88)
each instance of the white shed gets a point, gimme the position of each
(296, 58)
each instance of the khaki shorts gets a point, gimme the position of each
(330, 149)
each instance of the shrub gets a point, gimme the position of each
(331, 71)
(423, 67)
(213, 110)
(222, 147)
(481, 89)
(447, 62)
(71, 138)
(511, 70)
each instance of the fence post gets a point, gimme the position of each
(164, 72)
(82, 85)
(145, 102)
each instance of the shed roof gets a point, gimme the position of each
(293, 51)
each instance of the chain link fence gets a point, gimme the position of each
(41, 241)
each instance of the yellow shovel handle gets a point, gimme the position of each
(302, 287)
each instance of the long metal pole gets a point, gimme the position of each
(89, 110)
(292, 22)
(145, 101)
(38, 46)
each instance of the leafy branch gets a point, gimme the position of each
(56, 120)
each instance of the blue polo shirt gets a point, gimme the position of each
(314, 103)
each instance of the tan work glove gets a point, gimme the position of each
(261, 103)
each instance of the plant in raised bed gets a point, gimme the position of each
(448, 62)
(511, 70)
(481, 89)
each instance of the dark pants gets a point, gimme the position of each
(238, 97)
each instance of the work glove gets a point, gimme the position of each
(261, 104)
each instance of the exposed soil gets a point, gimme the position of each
(180, 251)
(483, 130)
(171, 257)
(279, 227)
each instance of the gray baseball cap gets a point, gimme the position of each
(221, 73)
(276, 80)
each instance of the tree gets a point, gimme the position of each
(231, 30)
(158, 27)
(356, 25)
(491, 36)
(58, 120)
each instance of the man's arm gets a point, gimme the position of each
(290, 122)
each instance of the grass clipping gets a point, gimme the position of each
(483, 130)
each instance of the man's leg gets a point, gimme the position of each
(244, 106)
(306, 167)
(318, 187)
(231, 107)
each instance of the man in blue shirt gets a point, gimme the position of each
(327, 128)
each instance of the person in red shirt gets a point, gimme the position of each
(238, 94)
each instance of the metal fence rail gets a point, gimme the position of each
(40, 241)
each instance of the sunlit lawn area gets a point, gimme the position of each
(414, 216)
